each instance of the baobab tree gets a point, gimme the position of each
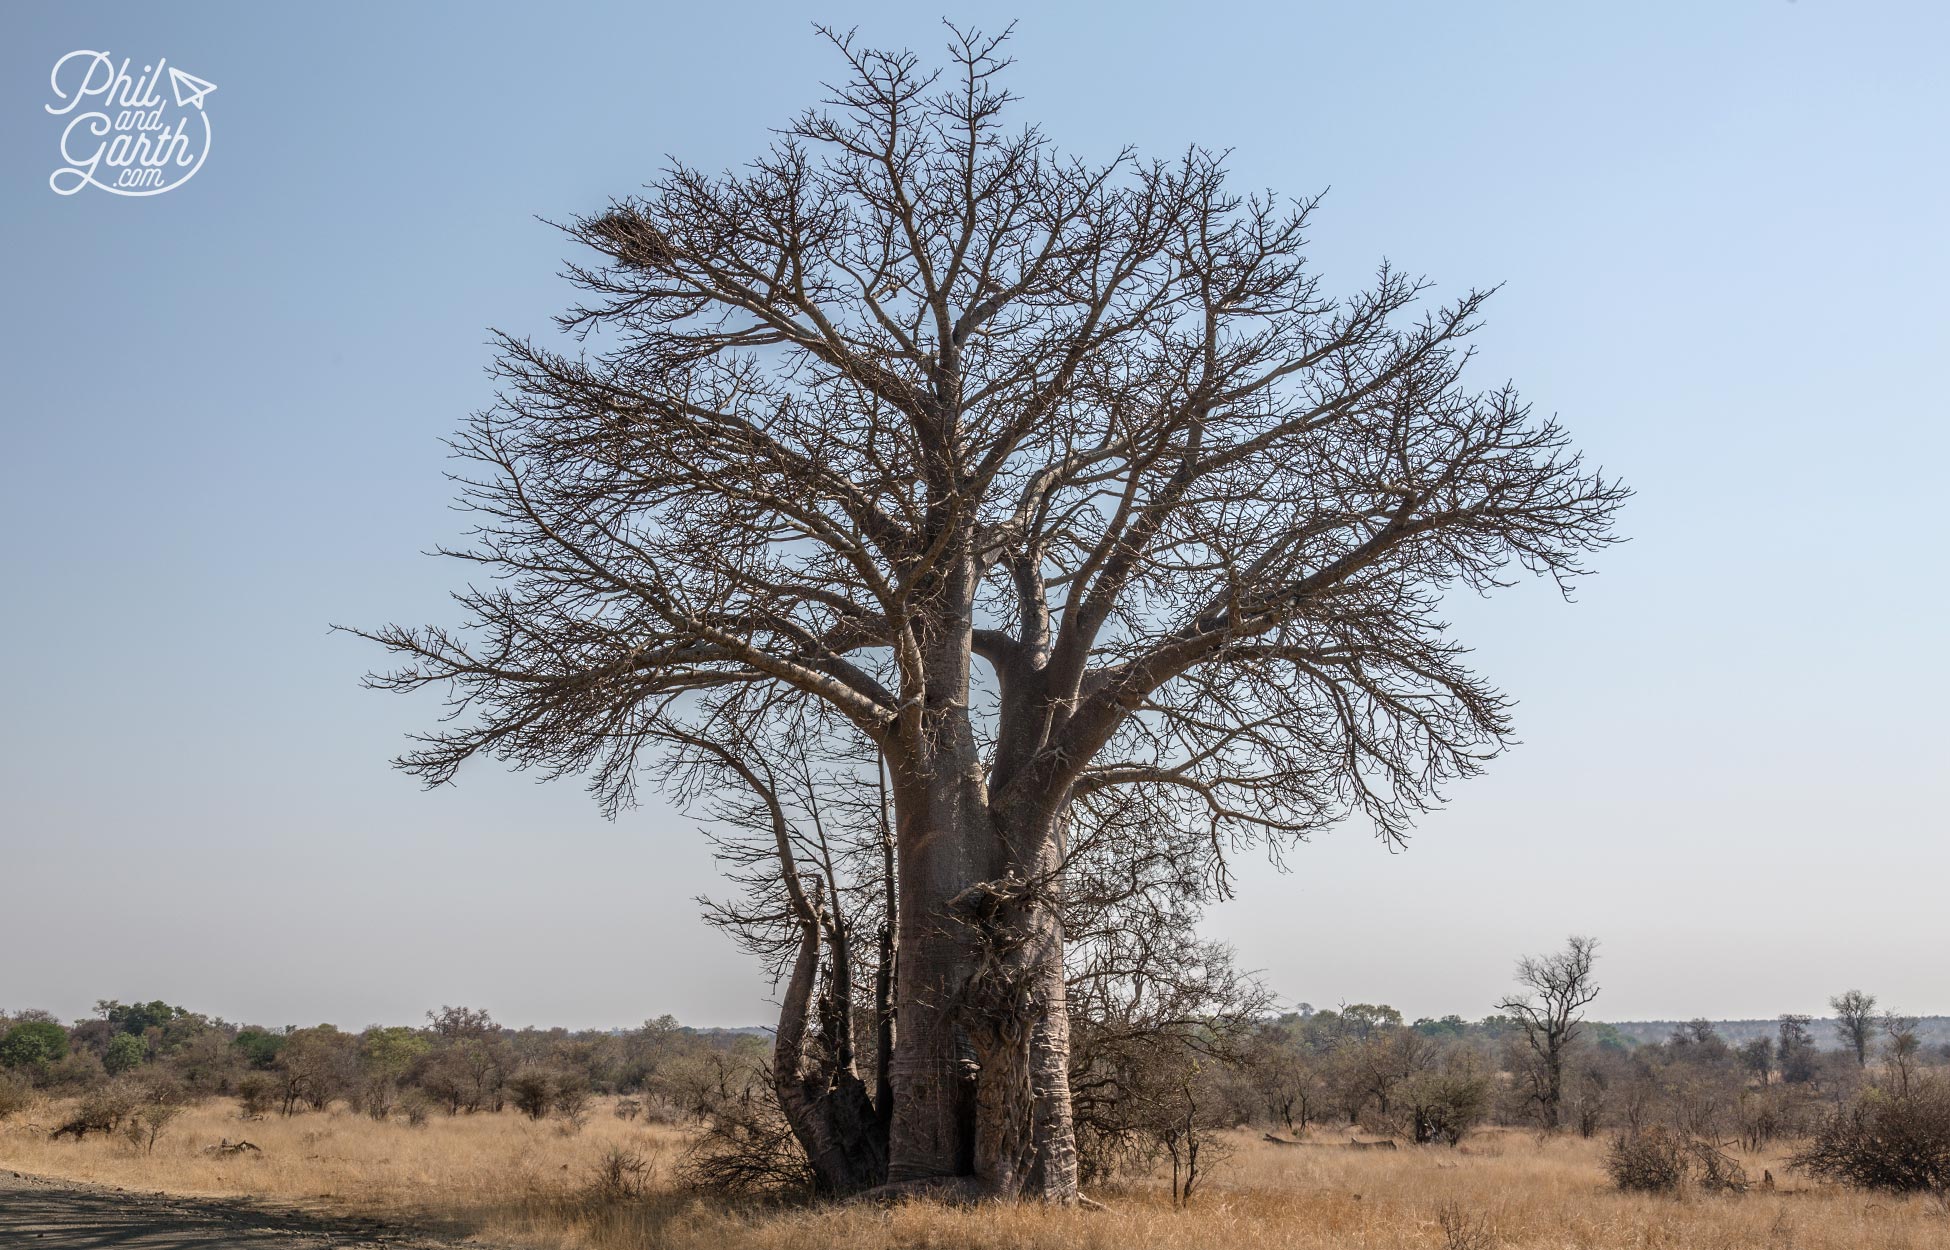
(915, 392)
(1556, 990)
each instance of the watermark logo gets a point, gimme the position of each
(133, 139)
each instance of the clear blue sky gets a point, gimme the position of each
(1722, 232)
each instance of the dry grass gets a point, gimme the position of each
(506, 1178)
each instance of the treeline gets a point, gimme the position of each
(1364, 1066)
(460, 1061)
(1932, 1031)
(1161, 1075)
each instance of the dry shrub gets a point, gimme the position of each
(621, 1175)
(1463, 1231)
(102, 1110)
(1659, 1161)
(747, 1148)
(16, 1095)
(1650, 1161)
(256, 1095)
(1714, 1170)
(532, 1090)
(1898, 1143)
(148, 1123)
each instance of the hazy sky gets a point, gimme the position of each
(1722, 229)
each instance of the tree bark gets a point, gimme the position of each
(945, 847)
(826, 1103)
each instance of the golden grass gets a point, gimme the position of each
(507, 1179)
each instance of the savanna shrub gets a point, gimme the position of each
(621, 1176)
(1649, 1161)
(532, 1091)
(33, 1045)
(1660, 1161)
(1888, 1141)
(256, 1095)
(16, 1095)
(125, 1053)
(747, 1148)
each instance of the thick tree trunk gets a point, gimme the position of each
(981, 1057)
(1025, 1138)
(1054, 1176)
(982, 994)
(946, 846)
(826, 1103)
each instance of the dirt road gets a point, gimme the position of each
(60, 1215)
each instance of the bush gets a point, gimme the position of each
(1650, 1161)
(532, 1091)
(16, 1095)
(259, 1049)
(102, 1110)
(746, 1148)
(256, 1095)
(621, 1176)
(148, 1123)
(124, 1054)
(1443, 1106)
(78, 1070)
(1884, 1141)
(1658, 1161)
(33, 1044)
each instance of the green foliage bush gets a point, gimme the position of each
(260, 1049)
(33, 1044)
(125, 1053)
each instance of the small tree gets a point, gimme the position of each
(33, 1045)
(258, 1047)
(1901, 1048)
(1559, 989)
(125, 1053)
(1757, 1056)
(531, 1090)
(1795, 1052)
(1855, 1022)
(1443, 1103)
(149, 1122)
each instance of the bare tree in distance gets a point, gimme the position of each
(1855, 1022)
(913, 390)
(1900, 1048)
(1795, 1052)
(1559, 987)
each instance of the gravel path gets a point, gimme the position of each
(63, 1215)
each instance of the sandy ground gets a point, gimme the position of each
(64, 1215)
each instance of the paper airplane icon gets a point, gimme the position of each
(189, 89)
